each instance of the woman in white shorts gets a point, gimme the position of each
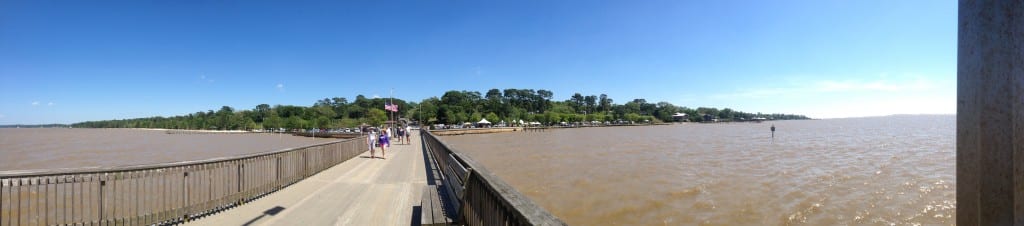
(371, 141)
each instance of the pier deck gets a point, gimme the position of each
(360, 191)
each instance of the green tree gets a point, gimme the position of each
(238, 120)
(493, 118)
(295, 122)
(273, 122)
(665, 110)
(475, 117)
(704, 110)
(600, 117)
(376, 117)
(605, 103)
(250, 124)
(453, 108)
(427, 110)
(570, 117)
(633, 117)
(533, 118)
(562, 108)
(323, 122)
(288, 111)
(726, 114)
(517, 114)
(261, 111)
(224, 118)
(493, 94)
(590, 103)
(545, 94)
(461, 117)
(324, 110)
(576, 102)
(552, 118)
(349, 122)
(446, 115)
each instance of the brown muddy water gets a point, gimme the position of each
(53, 148)
(897, 170)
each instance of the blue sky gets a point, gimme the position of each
(72, 61)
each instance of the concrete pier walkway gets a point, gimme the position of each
(360, 191)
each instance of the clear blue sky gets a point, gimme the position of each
(71, 61)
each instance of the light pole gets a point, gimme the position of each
(584, 120)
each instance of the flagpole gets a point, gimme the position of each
(391, 97)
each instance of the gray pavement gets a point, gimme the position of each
(360, 191)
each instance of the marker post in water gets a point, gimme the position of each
(773, 133)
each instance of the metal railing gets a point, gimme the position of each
(159, 193)
(481, 197)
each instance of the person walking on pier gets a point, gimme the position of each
(400, 136)
(407, 131)
(405, 135)
(371, 141)
(384, 143)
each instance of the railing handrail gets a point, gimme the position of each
(84, 170)
(511, 197)
(162, 193)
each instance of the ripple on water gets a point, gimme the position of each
(884, 170)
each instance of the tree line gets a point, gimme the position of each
(453, 107)
(537, 106)
(335, 112)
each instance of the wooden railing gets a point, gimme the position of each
(481, 197)
(159, 193)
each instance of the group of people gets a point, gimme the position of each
(383, 139)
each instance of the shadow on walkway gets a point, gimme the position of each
(428, 166)
(269, 212)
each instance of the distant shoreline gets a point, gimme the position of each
(185, 131)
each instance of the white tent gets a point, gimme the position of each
(483, 121)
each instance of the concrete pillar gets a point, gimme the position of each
(990, 113)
